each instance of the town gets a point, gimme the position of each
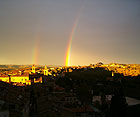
(69, 58)
(96, 90)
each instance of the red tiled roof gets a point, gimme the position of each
(4, 76)
(20, 75)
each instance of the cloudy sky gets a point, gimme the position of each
(38, 31)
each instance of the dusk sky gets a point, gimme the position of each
(38, 31)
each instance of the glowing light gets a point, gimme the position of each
(69, 46)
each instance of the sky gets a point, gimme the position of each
(38, 31)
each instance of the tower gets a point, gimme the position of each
(33, 69)
(112, 74)
(9, 78)
(45, 71)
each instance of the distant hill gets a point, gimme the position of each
(23, 66)
(14, 66)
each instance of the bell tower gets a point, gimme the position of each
(45, 71)
(33, 68)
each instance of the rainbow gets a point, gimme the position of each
(71, 37)
(35, 52)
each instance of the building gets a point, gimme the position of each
(45, 71)
(25, 79)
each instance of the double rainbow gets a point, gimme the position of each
(69, 45)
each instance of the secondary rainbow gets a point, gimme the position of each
(35, 52)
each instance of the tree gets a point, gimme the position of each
(118, 104)
(84, 93)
